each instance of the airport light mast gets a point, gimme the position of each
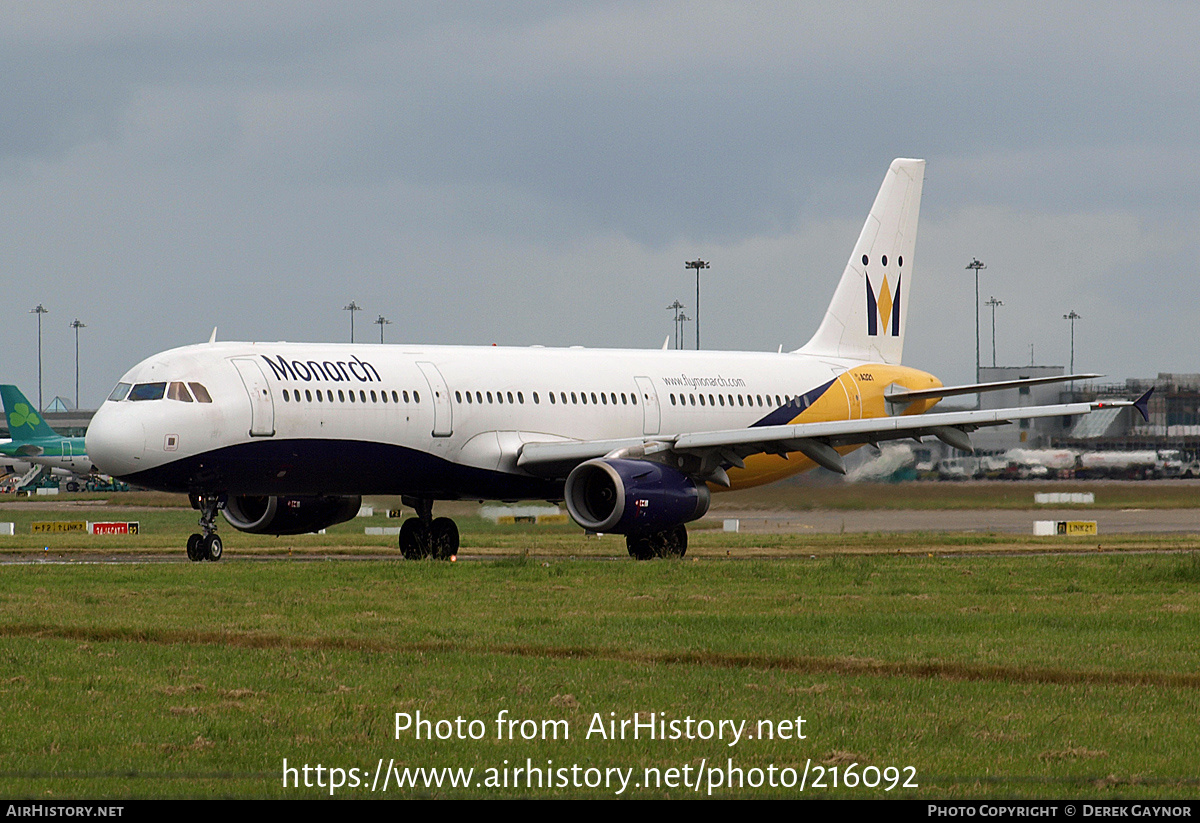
(76, 325)
(993, 302)
(1073, 316)
(976, 265)
(676, 306)
(381, 322)
(39, 310)
(697, 264)
(352, 308)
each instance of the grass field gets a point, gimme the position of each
(1039, 676)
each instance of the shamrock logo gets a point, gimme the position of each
(22, 415)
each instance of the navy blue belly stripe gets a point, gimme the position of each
(285, 467)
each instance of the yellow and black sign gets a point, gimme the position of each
(55, 526)
(1076, 527)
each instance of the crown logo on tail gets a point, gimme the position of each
(884, 309)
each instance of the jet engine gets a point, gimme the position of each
(289, 515)
(622, 496)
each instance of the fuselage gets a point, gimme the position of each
(63, 454)
(448, 422)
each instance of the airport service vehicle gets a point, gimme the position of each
(284, 438)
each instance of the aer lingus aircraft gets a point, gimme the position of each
(34, 441)
(284, 438)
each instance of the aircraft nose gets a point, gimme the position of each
(115, 442)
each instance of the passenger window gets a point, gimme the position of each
(119, 393)
(416, 397)
(510, 397)
(308, 395)
(362, 395)
(148, 391)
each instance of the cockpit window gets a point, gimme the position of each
(148, 391)
(178, 391)
(201, 393)
(120, 391)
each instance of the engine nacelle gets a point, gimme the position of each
(621, 496)
(289, 515)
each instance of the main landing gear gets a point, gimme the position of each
(669, 543)
(206, 545)
(425, 536)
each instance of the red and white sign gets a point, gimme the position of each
(113, 528)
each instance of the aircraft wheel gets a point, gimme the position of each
(673, 542)
(212, 547)
(444, 538)
(194, 552)
(414, 539)
(640, 546)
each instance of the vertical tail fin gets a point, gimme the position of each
(24, 421)
(867, 316)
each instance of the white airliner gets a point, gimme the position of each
(284, 438)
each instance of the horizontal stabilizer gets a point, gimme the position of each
(1142, 404)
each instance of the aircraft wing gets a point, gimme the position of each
(900, 396)
(817, 441)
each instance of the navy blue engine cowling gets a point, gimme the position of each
(620, 496)
(289, 515)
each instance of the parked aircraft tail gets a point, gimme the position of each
(24, 421)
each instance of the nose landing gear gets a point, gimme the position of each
(206, 545)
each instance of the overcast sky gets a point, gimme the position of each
(538, 173)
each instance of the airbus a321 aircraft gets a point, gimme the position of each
(284, 438)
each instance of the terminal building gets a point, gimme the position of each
(1174, 408)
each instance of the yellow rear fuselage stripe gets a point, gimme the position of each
(857, 393)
